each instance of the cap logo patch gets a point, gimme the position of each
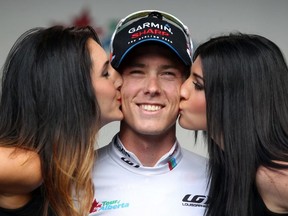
(145, 25)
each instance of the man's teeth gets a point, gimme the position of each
(150, 107)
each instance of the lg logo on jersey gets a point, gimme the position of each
(195, 200)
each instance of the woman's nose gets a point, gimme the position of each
(184, 92)
(118, 80)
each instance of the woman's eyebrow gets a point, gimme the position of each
(197, 76)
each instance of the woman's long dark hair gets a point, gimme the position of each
(48, 105)
(246, 94)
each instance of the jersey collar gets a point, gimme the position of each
(128, 160)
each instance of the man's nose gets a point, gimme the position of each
(152, 86)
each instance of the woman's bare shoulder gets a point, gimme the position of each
(273, 188)
(20, 170)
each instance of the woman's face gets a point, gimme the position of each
(106, 82)
(193, 104)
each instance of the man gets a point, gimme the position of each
(144, 171)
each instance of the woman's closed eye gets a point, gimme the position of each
(105, 74)
(198, 86)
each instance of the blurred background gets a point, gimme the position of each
(204, 18)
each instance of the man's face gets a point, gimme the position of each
(152, 77)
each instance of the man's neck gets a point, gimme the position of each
(148, 148)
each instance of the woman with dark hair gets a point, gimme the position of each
(238, 94)
(58, 90)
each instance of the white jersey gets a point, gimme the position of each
(176, 185)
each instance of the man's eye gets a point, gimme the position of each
(136, 73)
(170, 76)
(198, 86)
(167, 73)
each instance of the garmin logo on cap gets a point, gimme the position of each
(145, 25)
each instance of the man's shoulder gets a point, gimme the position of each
(194, 158)
(189, 153)
(102, 152)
